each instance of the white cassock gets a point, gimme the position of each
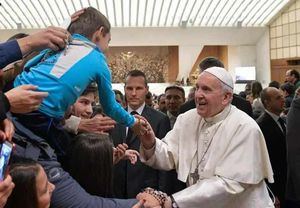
(227, 151)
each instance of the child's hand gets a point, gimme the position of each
(131, 155)
(119, 152)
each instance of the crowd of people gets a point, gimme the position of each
(215, 149)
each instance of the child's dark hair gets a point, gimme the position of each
(91, 162)
(24, 173)
(89, 22)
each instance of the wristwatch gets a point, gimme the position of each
(174, 204)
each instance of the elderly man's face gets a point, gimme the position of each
(209, 96)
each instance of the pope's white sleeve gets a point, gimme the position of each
(158, 157)
(209, 193)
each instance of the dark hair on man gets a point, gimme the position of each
(89, 22)
(210, 62)
(288, 87)
(176, 87)
(17, 36)
(295, 73)
(256, 89)
(24, 173)
(161, 95)
(91, 88)
(119, 93)
(91, 163)
(274, 84)
(137, 73)
(148, 95)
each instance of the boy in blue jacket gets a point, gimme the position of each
(66, 74)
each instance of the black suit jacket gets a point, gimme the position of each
(276, 144)
(237, 101)
(293, 152)
(130, 179)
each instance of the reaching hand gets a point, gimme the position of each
(151, 198)
(76, 15)
(131, 155)
(54, 38)
(7, 130)
(119, 153)
(97, 124)
(6, 188)
(140, 125)
(146, 133)
(24, 99)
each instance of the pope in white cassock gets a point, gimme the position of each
(218, 150)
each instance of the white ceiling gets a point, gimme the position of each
(34, 14)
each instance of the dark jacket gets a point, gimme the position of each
(9, 52)
(276, 144)
(67, 193)
(130, 179)
(293, 152)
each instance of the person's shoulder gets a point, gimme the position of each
(190, 114)
(263, 118)
(187, 106)
(239, 99)
(241, 117)
(155, 113)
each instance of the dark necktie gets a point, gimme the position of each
(282, 124)
(130, 132)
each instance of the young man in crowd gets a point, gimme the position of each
(175, 97)
(130, 179)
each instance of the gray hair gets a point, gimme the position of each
(226, 88)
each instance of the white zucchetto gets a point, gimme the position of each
(222, 74)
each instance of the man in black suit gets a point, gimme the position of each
(293, 155)
(130, 179)
(237, 100)
(274, 130)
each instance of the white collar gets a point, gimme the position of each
(220, 116)
(139, 110)
(274, 116)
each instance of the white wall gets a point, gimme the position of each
(240, 56)
(187, 58)
(263, 59)
(174, 36)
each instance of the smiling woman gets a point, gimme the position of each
(32, 188)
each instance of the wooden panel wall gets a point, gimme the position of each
(220, 52)
(279, 68)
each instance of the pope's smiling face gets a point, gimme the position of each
(210, 96)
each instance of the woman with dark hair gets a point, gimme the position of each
(91, 162)
(91, 158)
(32, 188)
(257, 106)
